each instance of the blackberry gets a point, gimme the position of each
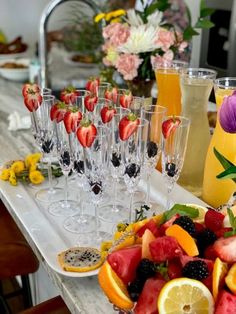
(47, 146)
(116, 158)
(146, 269)
(135, 288)
(171, 169)
(204, 239)
(196, 270)
(65, 158)
(96, 187)
(132, 170)
(79, 166)
(152, 149)
(186, 223)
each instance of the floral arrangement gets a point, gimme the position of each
(134, 39)
(29, 170)
(227, 119)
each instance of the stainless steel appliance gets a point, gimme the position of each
(218, 45)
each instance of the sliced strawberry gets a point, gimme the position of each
(213, 220)
(174, 269)
(164, 248)
(225, 249)
(107, 113)
(29, 89)
(221, 232)
(72, 119)
(199, 227)
(128, 125)
(58, 111)
(210, 253)
(32, 101)
(68, 95)
(86, 133)
(92, 85)
(111, 94)
(126, 99)
(90, 102)
(168, 126)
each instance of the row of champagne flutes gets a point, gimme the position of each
(111, 154)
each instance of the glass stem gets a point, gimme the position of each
(169, 189)
(114, 209)
(96, 219)
(66, 189)
(148, 190)
(50, 175)
(131, 207)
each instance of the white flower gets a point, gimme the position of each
(133, 18)
(141, 39)
(155, 19)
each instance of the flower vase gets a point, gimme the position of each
(141, 88)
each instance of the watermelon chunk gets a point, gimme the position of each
(164, 248)
(151, 225)
(147, 301)
(226, 303)
(125, 261)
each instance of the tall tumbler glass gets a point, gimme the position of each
(217, 192)
(196, 85)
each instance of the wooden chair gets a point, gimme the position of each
(16, 259)
(52, 306)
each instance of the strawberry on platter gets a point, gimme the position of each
(72, 119)
(68, 94)
(92, 85)
(90, 102)
(107, 113)
(128, 126)
(58, 111)
(162, 264)
(111, 94)
(86, 133)
(125, 99)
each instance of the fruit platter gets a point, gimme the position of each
(181, 261)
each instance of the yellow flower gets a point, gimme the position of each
(18, 166)
(36, 177)
(99, 17)
(32, 167)
(12, 178)
(112, 55)
(5, 174)
(114, 14)
(116, 20)
(32, 159)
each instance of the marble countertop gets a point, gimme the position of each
(82, 295)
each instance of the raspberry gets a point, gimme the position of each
(214, 220)
(204, 239)
(196, 270)
(186, 223)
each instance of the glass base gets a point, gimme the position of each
(49, 195)
(45, 184)
(64, 208)
(113, 214)
(80, 224)
(93, 239)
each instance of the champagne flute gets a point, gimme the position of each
(174, 142)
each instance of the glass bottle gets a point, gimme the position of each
(217, 192)
(196, 85)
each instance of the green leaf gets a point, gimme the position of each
(189, 32)
(230, 173)
(204, 23)
(224, 161)
(182, 210)
(206, 12)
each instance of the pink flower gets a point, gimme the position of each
(180, 42)
(182, 46)
(116, 33)
(165, 39)
(160, 60)
(127, 65)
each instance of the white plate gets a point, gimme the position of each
(12, 55)
(17, 75)
(69, 61)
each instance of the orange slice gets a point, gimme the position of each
(230, 279)
(219, 272)
(114, 288)
(184, 239)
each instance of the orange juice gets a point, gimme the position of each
(217, 192)
(168, 87)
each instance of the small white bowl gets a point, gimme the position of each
(15, 74)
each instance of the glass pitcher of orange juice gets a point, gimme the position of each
(217, 192)
(168, 86)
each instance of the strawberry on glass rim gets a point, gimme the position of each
(126, 99)
(72, 119)
(111, 94)
(29, 89)
(92, 85)
(58, 111)
(107, 113)
(86, 133)
(90, 102)
(128, 126)
(68, 94)
(170, 125)
(172, 258)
